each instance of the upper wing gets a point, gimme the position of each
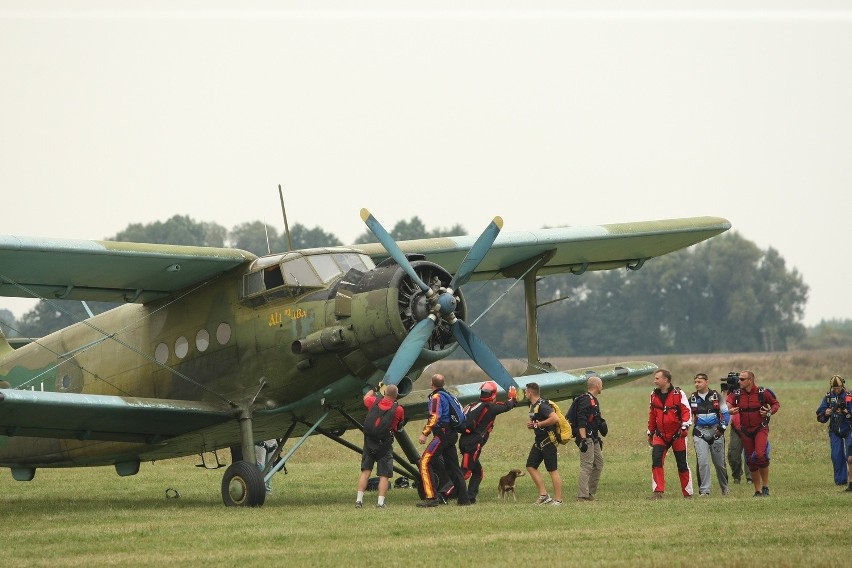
(574, 249)
(106, 271)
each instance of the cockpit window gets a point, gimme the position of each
(347, 261)
(325, 266)
(288, 274)
(298, 272)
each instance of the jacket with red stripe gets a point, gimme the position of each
(669, 413)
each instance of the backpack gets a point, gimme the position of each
(571, 415)
(457, 422)
(377, 424)
(562, 430)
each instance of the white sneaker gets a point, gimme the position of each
(555, 502)
(544, 500)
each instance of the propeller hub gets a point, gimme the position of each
(447, 303)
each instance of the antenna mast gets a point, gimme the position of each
(286, 226)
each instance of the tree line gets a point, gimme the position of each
(723, 295)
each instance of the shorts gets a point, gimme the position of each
(546, 454)
(385, 462)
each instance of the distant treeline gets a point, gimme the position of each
(723, 295)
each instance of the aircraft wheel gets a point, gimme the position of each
(242, 485)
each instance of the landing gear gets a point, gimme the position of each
(243, 486)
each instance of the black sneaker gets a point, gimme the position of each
(358, 504)
(765, 491)
(758, 494)
(429, 503)
(849, 489)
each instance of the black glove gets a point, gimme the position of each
(603, 429)
(584, 445)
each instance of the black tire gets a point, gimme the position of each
(242, 485)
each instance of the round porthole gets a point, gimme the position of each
(202, 340)
(161, 353)
(223, 333)
(181, 347)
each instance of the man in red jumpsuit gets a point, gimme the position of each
(755, 405)
(668, 427)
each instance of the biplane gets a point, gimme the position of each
(216, 348)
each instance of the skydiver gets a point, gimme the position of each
(384, 417)
(479, 422)
(541, 422)
(668, 427)
(443, 444)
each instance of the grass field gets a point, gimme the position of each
(92, 517)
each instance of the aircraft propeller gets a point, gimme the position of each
(442, 304)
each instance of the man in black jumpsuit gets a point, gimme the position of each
(479, 423)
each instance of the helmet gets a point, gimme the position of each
(837, 381)
(488, 391)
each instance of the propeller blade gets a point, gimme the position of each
(408, 352)
(482, 355)
(393, 249)
(477, 252)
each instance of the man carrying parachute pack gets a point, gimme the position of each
(543, 419)
(588, 426)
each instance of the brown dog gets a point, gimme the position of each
(506, 486)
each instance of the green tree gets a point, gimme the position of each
(411, 230)
(8, 324)
(49, 316)
(256, 237)
(722, 295)
(828, 333)
(179, 230)
(253, 236)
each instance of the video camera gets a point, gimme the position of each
(731, 382)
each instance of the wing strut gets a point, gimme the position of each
(283, 461)
(528, 270)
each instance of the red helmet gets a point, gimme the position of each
(488, 391)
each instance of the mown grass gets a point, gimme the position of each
(91, 517)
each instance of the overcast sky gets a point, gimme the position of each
(543, 114)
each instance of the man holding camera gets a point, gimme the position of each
(836, 410)
(755, 406)
(711, 417)
(735, 444)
